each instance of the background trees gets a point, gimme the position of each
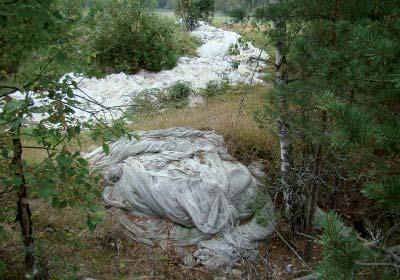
(225, 6)
(194, 11)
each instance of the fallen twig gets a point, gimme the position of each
(292, 249)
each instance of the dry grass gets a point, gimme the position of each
(243, 137)
(69, 250)
(254, 34)
(230, 114)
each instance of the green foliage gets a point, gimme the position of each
(238, 14)
(234, 49)
(58, 48)
(228, 5)
(193, 11)
(354, 59)
(94, 217)
(386, 193)
(186, 44)
(180, 91)
(61, 176)
(341, 249)
(26, 26)
(338, 95)
(2, 268)
(341, 89)
(353, 125)
(345, 256)
(72, 10)
(85, 40)
(129, 38)
(262, 208)
(215, 88)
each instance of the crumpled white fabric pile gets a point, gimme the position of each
(180, 185)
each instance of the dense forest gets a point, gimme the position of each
(305, 92)
(220, 6)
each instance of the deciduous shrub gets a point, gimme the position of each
(215, 88)
(128, 37)
(194, 11)
(180, 91)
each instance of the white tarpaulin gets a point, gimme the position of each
(184, 176)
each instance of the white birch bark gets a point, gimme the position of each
(279, 25)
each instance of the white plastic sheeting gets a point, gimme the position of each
(213, 63)
(180, 185)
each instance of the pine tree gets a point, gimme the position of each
(342, 99)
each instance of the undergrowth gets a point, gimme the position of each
(224, 114)
(69, 250)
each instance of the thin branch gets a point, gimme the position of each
(259, 59)
(306, 235)
(38, 148)
(10, 87)
(14, 90)
(292, 249)
(241, 104)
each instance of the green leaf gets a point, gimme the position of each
(106, 149)
(15, 181)
(82, 162)
(4, 152)
(45, 191)
(91, 223)
(3, 267)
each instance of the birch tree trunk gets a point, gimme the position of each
(23, 211)
(279, 25)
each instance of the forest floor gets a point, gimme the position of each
(70, 251)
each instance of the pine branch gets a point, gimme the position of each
(378, 264)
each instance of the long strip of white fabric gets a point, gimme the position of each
(213, 63)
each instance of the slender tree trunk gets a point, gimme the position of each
(279, 25)
(312, 199)
(314, 192)
(24, 212)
